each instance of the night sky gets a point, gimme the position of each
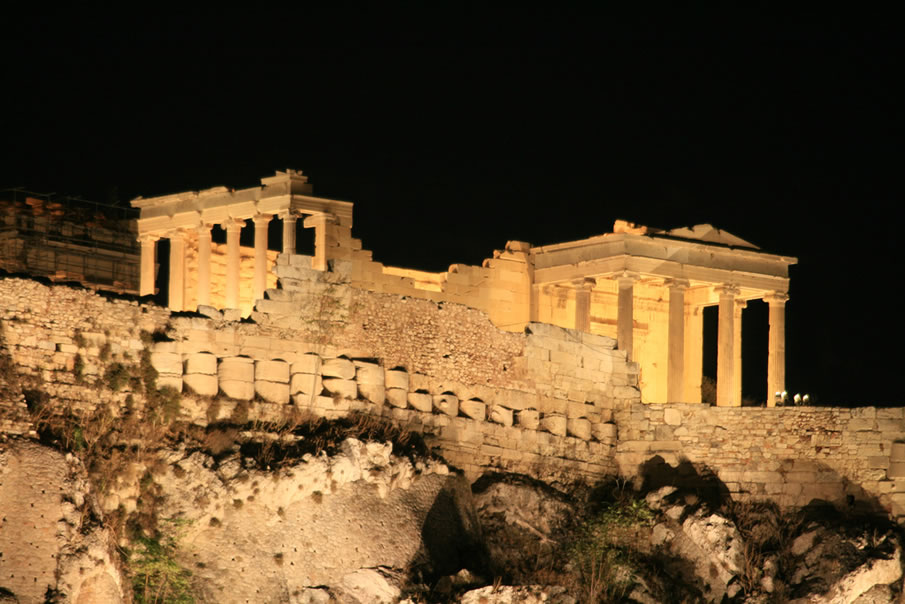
(455, 137)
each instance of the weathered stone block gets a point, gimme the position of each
(305, 383)
(421, 401)
(236, 369)
(272, 371)
(672, 416)
(473, 409)
(554, 424)
(341, 387)
(501, 415)
(528, 419)
(397, 378)
(272, 392)
(397, 397)
(306, 363)
(369, 373)
(201, 362)
(243, 390)
(199, 383)
(170, 380)
(167, 362)
(897, 452)
(604, 432)
(896, 469)
(338, 368)
(375, 393)
(579, 427)
(447, 404)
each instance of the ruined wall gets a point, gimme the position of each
(545, 401)
(790, 455)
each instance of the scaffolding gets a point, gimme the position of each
(69, 239)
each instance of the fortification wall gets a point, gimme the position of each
(547, 401)
(791, 455)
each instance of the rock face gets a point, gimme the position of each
(522, 522)
(348, 524)
(50, 539)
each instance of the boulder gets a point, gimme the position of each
(473, 409)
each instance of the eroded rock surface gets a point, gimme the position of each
(51, 540)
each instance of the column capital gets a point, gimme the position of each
(776, 298)
(287, 215)
(148, 238)
(204, 228)
(262, 219)
(585, 283)
(233, 225)
(728, 290)
(677, 284)
(740, 304)
(175, 234)
(626, 278)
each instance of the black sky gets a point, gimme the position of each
(453, 137)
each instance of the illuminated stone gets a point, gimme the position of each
(501, 415)
(446, 403)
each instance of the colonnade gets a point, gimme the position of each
(685, 331)
(200, 236)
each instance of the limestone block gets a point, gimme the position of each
(240, 369)
(473, 409)
(375, 393)
(579, 427)
(528, 418)
(272, 371)
(232, 314)
(305, 383)
(673, 417)
(422, 401)
(397, 397)
(338, 368)
(303, 399)
(238, 389)
(447, 404)
(554, 424)
(896, 469)
(307, 363)
(203, 363)
(604, 432)
(341, 387)
(272, 392)
(897, 452)
(419, 381)
(202, 384)
(501, 415)
(369, 373)
(167, 362)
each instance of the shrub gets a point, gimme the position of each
(156, 575)
(117, 376)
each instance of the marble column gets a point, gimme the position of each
(725, 356)
(625, 321)
(675, 363)
(740, 305)
(176, 294)
(289, 244)
(583, 289)
(204, 265)
(260, 283)
(148, 264)
(694, 353)
(776, 346)
(233, 229)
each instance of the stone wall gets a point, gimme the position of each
(544, 401)
(791, 455)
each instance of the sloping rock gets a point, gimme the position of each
(51, 538)
(522, 594)
(326, 522)
(522, 522)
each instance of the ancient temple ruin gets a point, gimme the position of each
(645, 287)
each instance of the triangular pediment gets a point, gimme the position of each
(710, 234)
